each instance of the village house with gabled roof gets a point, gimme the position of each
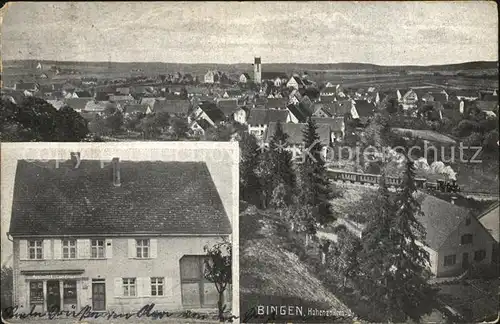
(137, 109)
(259, 119)
(245, 78)
(173, 107)
(27, 87)
(78, 104)
(295, 134)
(337, 126)
(209, 112)
(276, 103)
(295, 82)
(115, 235)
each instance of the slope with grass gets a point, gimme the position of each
(270, 274)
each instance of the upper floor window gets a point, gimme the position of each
(97, 249)
(450, 260)
(467, 221)
(35, 249)
(156, 286)
(142, 247)
(69, 249)
(128, 286)
(466, 239)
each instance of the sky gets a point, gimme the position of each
(386, 33)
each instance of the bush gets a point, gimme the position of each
(7, 287)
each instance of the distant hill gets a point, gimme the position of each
(160, 66)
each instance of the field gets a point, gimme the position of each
(474, 75)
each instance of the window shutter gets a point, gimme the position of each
(143, 287)
(109, 248)
(57, 249)
(118, 287)
(47, 252)
(23, 249)
(131, 248)
(83, 248)
(154, 248)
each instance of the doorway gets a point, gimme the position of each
(98, 295)
(53, 296)
(465, 261)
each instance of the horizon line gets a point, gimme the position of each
(242, 63)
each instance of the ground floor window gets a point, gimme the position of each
(450, 260)
(36, 292)
(196, 290)
(479, 255)
(69, 292)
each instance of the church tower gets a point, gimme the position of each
(257, 71)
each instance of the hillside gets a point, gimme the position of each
(272, 275)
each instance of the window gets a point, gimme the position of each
(69, 292)
(97, 249)
(156, 286)
(36, 292)
(142, 247)
(128, 286)
(479, 255)
(466, 239)
(196, 290)
(69, 249)
(35, 250)
(450, 260)
(467, 221)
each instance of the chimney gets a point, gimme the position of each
(116, 172)
(75, 159)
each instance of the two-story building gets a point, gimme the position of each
(115, 235)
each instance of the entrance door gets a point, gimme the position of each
(98, 296)
(465, 261)
(53, 296)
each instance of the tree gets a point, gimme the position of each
(345, 263)
(70, 127)
(414, 294)
(218, 270)
(314, 184)
(281, 163)
(7, 288)
(376, 255)
(162, 119)
(249, 162)
(148, 126)
(114, 122)
(179, 126)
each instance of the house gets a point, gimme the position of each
(259, 119)
(123, 91)
(30, 87)
(276, 103)
(43, 76)
(121, 97)
(442, 97)
(409, 100)
(212, 77)
(82, 94)
(365, 110)
(114, 236)
(432, 110)
(137, 109)
(277, 78)
(99, 106)
(489, 107)
(232, 93)
(39, 66)
(209, 112)
(260, 102)
(228, 106)
(78, 104)
(327, 99)
(194, 91)
(469, 95)
(245, 78)
(456, 241)
(240, 115)
(199, 127)
(328, 91)
(173, 107)
(56, 103)
(490, 219)
(336, 124)
(295, 139)
(101, 96)
(295, 82)
(341, 108)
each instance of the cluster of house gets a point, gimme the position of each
(115, 237)
(436, 100)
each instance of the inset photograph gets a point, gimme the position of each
(128, 231)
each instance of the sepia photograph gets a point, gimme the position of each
(120, 232)
(250, 162)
